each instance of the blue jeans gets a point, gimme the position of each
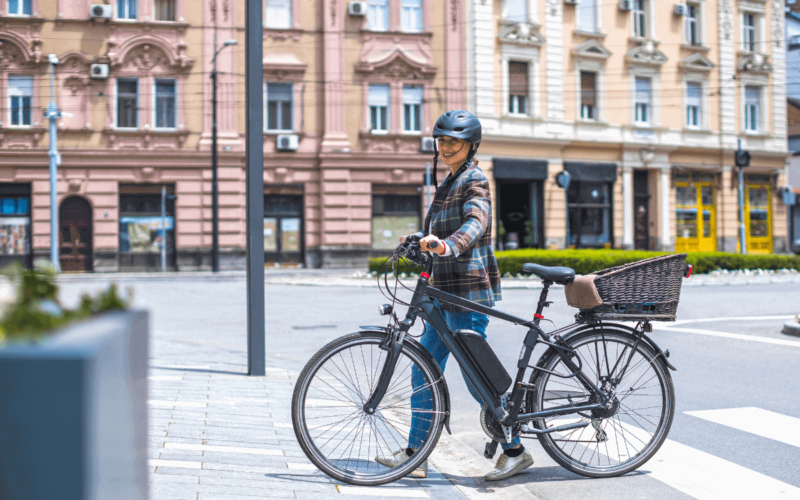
(430, 340)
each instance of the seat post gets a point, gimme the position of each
(542, 302)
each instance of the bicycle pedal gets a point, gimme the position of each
(490, 449)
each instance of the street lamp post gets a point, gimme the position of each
(214, 189)
(52, 113)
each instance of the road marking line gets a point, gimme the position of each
(756, 421)
(174, 463)
(184, 367)
(286, 426)
(737, 336)
(165, 378)
(301, 466)
(226, 449)
(177, 404)
(736, 318)
(372, 491)
(705, 476)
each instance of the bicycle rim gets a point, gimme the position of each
(333, 429)
(618, 439)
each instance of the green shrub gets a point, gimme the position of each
(587, 261)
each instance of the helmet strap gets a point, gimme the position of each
(435, 179)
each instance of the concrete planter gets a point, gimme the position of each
(792, 328)
(73, 413)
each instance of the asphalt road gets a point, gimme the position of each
(714, 373)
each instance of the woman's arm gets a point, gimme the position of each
(477, 211)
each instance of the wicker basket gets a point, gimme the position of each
(646, 290)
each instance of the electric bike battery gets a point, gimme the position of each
(485, 360)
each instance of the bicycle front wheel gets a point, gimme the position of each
(342, 439)
(626, 434)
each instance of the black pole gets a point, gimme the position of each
(214, 189)
(254, 159)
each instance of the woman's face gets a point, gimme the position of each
(453, 151)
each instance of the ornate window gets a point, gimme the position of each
(127, 9)
(411, 15)
(517, 11)
(588, 95)
(752, 108)
(693, 24)
(640, 18)
(749, 31)
(518, 101)
(642, 101)
(20, 100)
(694, 105)
(587, 16)
(278, 14)
(166, 102)
(378, 15)
(412, 108)
(378, 100)
(279, 107)
(127, 103)
(165, 10)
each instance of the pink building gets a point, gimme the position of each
(350, 90)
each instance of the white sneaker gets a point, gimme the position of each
(508, 466)
(398, 458)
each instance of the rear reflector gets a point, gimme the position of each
(688, 272)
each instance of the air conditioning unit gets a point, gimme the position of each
(571, 2)
(794, 42)
(625, 5)
(288, 142)
(679, 9)
(357, 8)
(101, 12)
(98, 71)
(426, 145)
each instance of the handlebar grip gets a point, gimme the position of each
(433, 244)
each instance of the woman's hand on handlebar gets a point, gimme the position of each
(432, 244)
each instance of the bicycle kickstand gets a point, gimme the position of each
(490, 450)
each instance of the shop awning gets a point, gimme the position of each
(520, 169)
(592, 172)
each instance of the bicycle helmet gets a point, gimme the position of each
(461, 125)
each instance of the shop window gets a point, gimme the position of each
(518, 87)
(412, 108)
(126, 9)
(396, 212)
(378, 101)
(378, 15)
(411, 15)
(165, 10)
(20, 95)
(127, 102)
(279, 106)
(141, 225)
(588, 95)
(20, 7)
(165, 103)
(15, 224)
(589, 205)
(278, 14)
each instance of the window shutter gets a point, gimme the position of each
(588, 82)
(518, 78)
(20, 85)
(279, 13)
(378, 95)
(694, 94)
(279, 92)
(752, 95)
(412, 94)
(588, 16)
(643, 90)
(517, 10)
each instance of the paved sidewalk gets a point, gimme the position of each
(217, 434)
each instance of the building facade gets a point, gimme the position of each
(349, 92)
(643, 103)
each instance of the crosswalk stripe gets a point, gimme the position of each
(737, 336)
(756, 421)
(225, 449)
(734, 318)
(707, 477)
(372, 491)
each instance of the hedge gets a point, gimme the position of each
(587, 261)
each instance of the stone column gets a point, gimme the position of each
(483, 39)
(627, 208)
(554, 32)
(456, 62)
(555, 203)
(727, 73)
(334, 138)
(665, 242)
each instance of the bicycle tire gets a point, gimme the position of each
(388, 419)
(624, 428)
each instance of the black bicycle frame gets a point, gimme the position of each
(422, 306)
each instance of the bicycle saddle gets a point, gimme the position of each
(560, 275)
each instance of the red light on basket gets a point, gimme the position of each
(424, 275)
(688, 272)
(538, 316)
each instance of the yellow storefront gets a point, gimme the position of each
(696, 212)
(758, 213)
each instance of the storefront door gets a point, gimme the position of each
(519, 209)
(758, 218)
(15, 224)
(75, 220)
(283, 229)
(696, 217)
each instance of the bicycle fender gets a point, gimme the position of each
(660, 354)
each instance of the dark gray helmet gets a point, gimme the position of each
(459, 124)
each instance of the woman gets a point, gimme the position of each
(459, 221)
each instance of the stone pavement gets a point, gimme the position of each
(217, 434)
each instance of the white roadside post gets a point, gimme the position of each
(52, 113)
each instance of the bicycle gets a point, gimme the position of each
(600, 399)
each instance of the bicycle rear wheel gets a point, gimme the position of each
(329, 420)
(630, 431)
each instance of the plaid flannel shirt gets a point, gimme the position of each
(463, 221)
